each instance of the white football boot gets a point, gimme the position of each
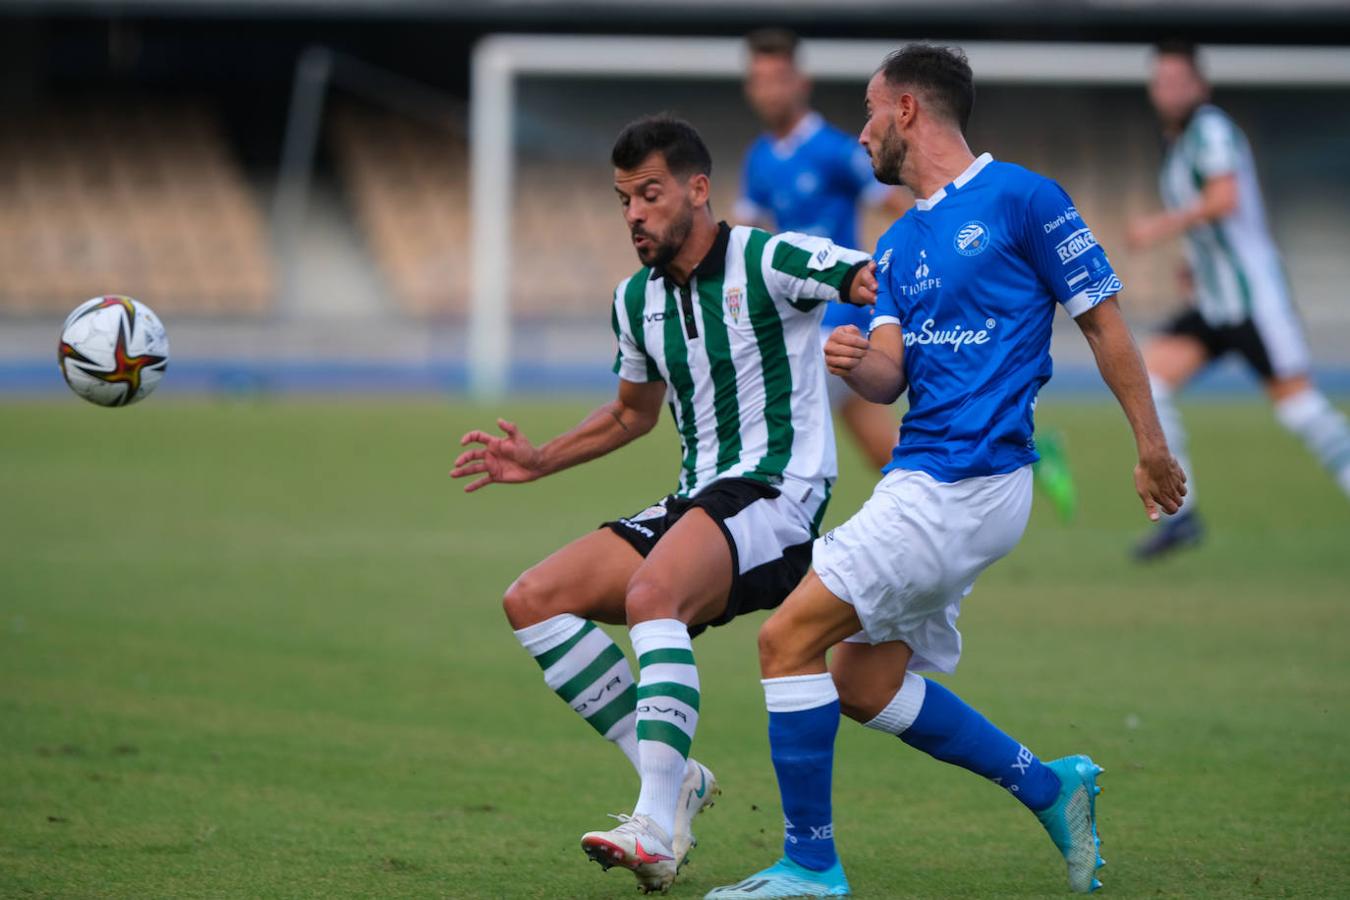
(698, 792)
(639, 845)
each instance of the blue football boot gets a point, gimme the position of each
(1072, 820)
(786, 878)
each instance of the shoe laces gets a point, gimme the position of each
(638, 825)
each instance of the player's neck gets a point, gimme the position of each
(790, 124)
(701, 238)
(933, 164)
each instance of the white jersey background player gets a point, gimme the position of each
(1241, 299)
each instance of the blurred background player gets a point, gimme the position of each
(1240, 298)
(805, 175)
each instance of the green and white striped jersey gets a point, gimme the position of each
(739, 350)
(1234, 261)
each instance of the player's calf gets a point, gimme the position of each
(589, 672)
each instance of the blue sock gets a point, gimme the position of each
(948, 729)
(803, 720)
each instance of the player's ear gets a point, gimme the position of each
(700, 188)
(906, 107)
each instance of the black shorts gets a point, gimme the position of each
(1243, 339)
(769, 531)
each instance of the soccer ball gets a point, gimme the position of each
(113, 350)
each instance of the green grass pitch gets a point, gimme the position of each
(256, 650)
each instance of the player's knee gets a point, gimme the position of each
(780, 651)
(858, 699)
(529, 600)
(648, 598)
(855, 699)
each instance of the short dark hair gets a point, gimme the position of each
(773, 42)
(1179, 47)
(942, 73)
(675, 139)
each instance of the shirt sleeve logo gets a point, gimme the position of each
(823, 258)
(1075, 245)
(1107, 287)
(972, 239)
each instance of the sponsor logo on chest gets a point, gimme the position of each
(924, 279)
(956, 336)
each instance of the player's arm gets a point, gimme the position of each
(512, 459)
(1218, 200)
(873, 366)
(804, 271)
(1212, 151)
(1157, 477)
(1074, 270)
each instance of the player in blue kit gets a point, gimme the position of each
(807, 176)
(968, 284)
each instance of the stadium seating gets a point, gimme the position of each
(142, 200)
(408, 186)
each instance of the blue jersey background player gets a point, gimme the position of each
(968, 285)
(805, 175)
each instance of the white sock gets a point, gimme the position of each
(795, 693)
(904, 707)
(587, 670)
(1322, 428)
(1175, 432)
(667, 713)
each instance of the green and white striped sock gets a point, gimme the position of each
(667, 714)
(587, 670)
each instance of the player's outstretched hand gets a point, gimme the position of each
(844, 349)
(1161, 485)
(504, 460)
(863, 290)
(1143, 232)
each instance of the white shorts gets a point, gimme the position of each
(907, 558)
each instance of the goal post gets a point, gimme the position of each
(500, 60)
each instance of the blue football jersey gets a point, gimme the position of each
(811, 181)
(972, 274)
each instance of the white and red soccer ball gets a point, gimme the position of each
(113, 350)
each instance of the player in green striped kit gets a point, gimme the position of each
(1241, 297)
(723, 325)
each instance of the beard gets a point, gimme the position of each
(890, 156)
(663, 248)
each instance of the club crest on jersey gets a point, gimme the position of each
(733, 298)
(972, 238)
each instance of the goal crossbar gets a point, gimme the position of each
(499, 60)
